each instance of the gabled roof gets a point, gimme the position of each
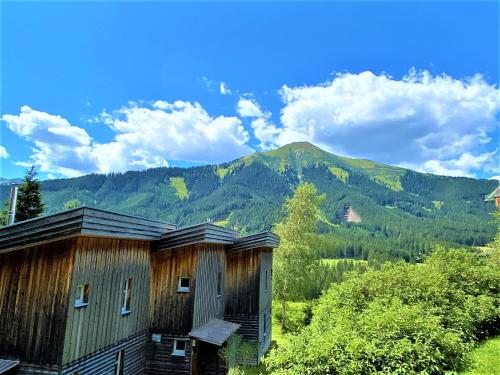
(264, 239)
(215, 332)
(200, 233)
(80, 221)
(495, 193)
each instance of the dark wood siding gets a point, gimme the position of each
(34, 287)
(172, 311)
(105, 264)
(207, 305)
(159, 358)
(102, 362)
(266, 294)
(242, 282)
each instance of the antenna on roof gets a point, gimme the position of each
(12, 204)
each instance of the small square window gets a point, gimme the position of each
(82, 295)
(179, 348)
(184, 284)
(156, 337)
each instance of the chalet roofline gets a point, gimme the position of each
(87, 221)
(199, 233)
(263, 239)
(80, 221)
(495, 193)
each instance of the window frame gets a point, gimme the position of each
(219, 284)
(127, 297)
(266, 282)
(183, 289)
(82, 295)
(179, 352)
(119, 362)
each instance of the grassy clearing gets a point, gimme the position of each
(180, 187)
(485, 358)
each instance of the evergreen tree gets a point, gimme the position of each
(29, 199)
(296, 261)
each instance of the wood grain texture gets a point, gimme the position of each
(172, 311)
(105, 264)
(34, 287)
(207, 304)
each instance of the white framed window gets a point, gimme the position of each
(127, 296)
(82, 295)
(179, 347)
(119, 362)
(184, 284)
(219, 284)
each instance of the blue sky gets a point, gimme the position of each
(103, 87)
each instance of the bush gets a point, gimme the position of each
(403, 318)
(298, 315)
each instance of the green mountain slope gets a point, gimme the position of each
(403, 213)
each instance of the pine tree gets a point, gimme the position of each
(29, 200)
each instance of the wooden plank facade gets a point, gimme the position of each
(93, 292)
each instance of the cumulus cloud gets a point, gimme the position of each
(224, 89)
(145, 136)
(435, 123)
(249, 108)
(3, 153)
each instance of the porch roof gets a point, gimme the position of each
(215, 332)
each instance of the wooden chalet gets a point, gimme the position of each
(494, 196)
(88, 291)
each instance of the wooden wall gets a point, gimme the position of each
(103, 361)
(207, 305)
(105, 264)
(242, 282)
(34, 285)
(266, 265)
(159, 358)
(172, 311)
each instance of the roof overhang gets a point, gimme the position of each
(79, 221)
(215, 332)
(264, 239)
(7, 364)
(494, 194)
(200, 233)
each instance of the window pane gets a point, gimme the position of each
(185, 282)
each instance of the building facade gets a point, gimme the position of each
(88, 291)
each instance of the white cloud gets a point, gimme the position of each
(224, 89)
(145, 136)
(265, 132)
(463, 166)
(422, 121)
(495, 178)
(3, 153)
(249, 108)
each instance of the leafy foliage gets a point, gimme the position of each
(29, 199)
(73, 203)
(402, 319)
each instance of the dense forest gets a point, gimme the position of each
(403, 213)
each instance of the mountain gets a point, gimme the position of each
(395, 212)
(9, 181)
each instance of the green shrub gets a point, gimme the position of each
(298, 315)
(401, 319)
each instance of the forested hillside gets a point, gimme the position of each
(402, 213)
